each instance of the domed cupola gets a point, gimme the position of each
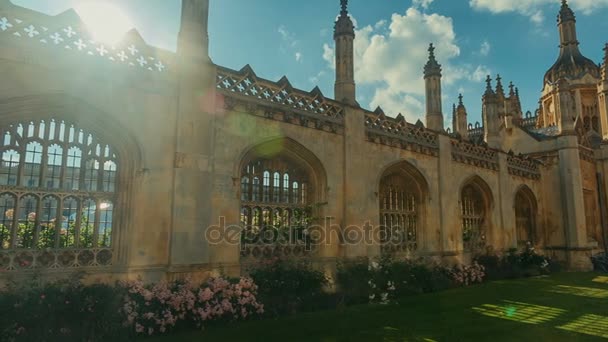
(571, 63)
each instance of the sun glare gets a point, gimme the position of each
(106, 22)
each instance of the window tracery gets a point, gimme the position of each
(57, 192)
(399, 213)
(473, 219)
(280, 214)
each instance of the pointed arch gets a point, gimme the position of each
(294, 183)
(74, 135)
(402, 195)
(526, 210)
(476, 203)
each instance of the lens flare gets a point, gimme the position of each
(105, 21)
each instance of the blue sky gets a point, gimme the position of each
(516, 38)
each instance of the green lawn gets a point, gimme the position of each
(563, 307)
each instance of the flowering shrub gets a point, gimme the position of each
(70, 311)
(463, 275)
(159, 308)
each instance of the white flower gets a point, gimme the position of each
(372, 296)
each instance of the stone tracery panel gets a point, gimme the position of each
(72, 37)
(475, 155)
(279, 100)
(57, 195)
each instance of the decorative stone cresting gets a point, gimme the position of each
(523, 167)
(279, 100)
(475, 130)
(31, 259)
(67, 33)
(397, 132)
(475, 155)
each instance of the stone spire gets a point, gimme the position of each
(432, 80)
(491, 115)
(571, 63)
(461, 119)
(489, 90)
(499, 89)
(432, 68)
(605, 64)
(344, 36)
(511, 89)
(565, 13)
(193, 39)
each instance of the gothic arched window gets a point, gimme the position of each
(280, 209)
(57, 190)
(401, 192)
(473, 211)
(525, 217)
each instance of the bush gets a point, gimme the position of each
(517, 264)
(70, 311)
(386, 280)
(287, 287)
(66, 311)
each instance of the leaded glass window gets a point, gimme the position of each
(473, 219)
(525, 218)
(57, 188)
(399, 213)
(275, 209)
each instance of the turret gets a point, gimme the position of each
(193, 41)
(491, 120)
(571, 63)
(344, 37)
(432, 80)
(461, 119)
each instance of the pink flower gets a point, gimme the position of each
(139, 328)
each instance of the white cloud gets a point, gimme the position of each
(315, 79)
(485, 48)
(288, 37)
(298, 56)
(329, 55)
(422, 3)
(535, 9)
(392, 60)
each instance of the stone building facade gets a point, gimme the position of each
(132, 161)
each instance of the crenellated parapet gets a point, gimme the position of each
(474, 155)
(64, 38)
(523, 166)
(397, 132)
(279, 100)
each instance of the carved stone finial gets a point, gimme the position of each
(499, 89)
(460, 100)
(432, 67)
(489, 85)
(344, 5)
(565, 13)
(511, 89)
